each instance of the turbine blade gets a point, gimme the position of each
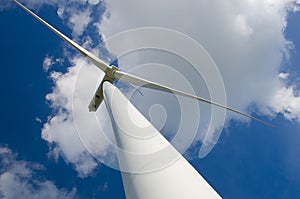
(97, 99)
(94, 59)
(128, 78)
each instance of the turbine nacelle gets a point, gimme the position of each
(98, 97)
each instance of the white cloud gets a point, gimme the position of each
(18, 179)
(70, 11)
(245, 38)
(94, 2)
(60, 129)
(79, 21)
(37, 119)
(73, 132)
(283, 76)
(287, 102)
(47, 63)
(243, 26)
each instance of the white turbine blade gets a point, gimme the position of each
(128, 78)
(94, 59)
(96, 100)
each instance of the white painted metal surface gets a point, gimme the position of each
(151, 167)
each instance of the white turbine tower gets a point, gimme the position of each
(151, 167)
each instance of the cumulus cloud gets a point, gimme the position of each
(287, 102)
(18, 179)
(245, 39)
(60, 130)
(73, 132)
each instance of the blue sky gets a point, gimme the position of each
(249, 161)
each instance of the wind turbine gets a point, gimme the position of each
(153, 177)
(112, 73)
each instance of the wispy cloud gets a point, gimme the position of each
(50, 61)
(6, 4)
(47, 63)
